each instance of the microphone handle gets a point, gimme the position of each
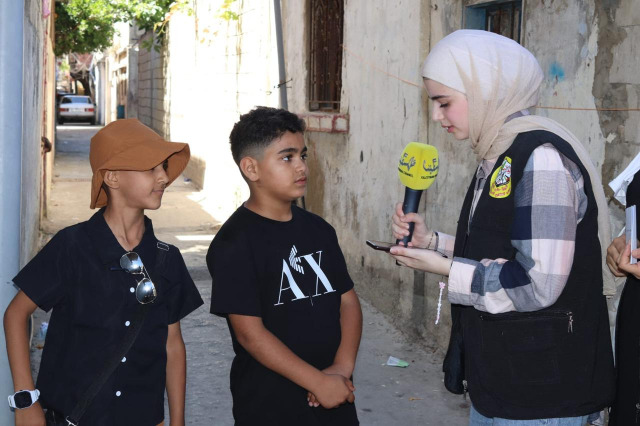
(410, 205)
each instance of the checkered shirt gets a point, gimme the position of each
(549, 203)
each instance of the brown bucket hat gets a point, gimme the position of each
(130, 145)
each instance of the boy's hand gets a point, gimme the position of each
(341, 370)
(400, 227)
(332, 391)
(614, 251)
(16, 337)
(334, 369)
(32, 416)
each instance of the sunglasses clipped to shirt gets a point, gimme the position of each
(145, 290)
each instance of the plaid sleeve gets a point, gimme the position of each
(543, 233)
(446, 244)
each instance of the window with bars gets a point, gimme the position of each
(501, 17)
(325, 54)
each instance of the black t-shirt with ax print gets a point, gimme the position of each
(292, 275)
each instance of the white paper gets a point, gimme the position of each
(397, 362)
(631, 233)
(621, 182)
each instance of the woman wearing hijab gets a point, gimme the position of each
(525, 266)
(625, 410)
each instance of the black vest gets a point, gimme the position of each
(556, 362)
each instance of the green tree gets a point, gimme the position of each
(84, 26)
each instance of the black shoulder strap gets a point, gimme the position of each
(112, 363)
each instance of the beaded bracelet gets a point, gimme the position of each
(430, 239)
(442, 285)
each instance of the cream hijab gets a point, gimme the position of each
(500, 78)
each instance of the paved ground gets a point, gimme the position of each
(385, 395)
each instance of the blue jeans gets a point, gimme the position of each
(477, 419)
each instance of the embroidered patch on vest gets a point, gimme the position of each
(501, 180)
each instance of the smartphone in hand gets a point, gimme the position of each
(380, 245)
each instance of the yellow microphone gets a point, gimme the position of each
(417, 169)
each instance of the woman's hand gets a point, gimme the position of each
(625, 264)
(422, 259)
(614, 252)
(400, 225)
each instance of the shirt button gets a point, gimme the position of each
(118, 393)
(124, 359)
(132, 290)
(127, 324)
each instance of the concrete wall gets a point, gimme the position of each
(144, 84)
(354, 182)
(101, 88)
(35, 50)
(218, 69)
(48, 113)
(153, 94)
(214, 69)
(571, 60)
(587, 50)
(193, 86)
(616, 83)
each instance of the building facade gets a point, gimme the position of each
(353, 73)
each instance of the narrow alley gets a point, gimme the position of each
(358, 74)
(385, 395)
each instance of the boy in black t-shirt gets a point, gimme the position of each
(280, 279)
(107, 279)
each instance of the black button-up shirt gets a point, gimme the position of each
(93, 305)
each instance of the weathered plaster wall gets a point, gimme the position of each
(444, 198)
(144, 84)
(354, 183)
(153, 101)
(385, 114)
(617, 84)
(295, 22)
(217, 70)
(587, 50)
(49, 113)
(117, 71)
(33, 97)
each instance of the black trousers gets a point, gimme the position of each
(624, 411)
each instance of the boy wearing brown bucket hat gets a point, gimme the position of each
(118, 294)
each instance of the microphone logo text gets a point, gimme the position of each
(432, 170)
(408, 164)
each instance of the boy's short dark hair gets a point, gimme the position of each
(259, 127)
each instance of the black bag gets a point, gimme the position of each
(453, 365)
(53, 418)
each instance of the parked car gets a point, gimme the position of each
(76, 108)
